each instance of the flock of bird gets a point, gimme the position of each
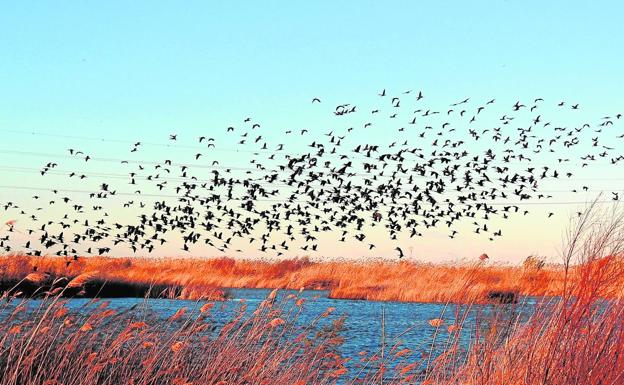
(403, 166)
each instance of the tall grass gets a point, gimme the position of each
(577, 338)
(382, 281)
(574, 338)
(96, 345)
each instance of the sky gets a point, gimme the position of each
(142, 70)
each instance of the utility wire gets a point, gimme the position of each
(257, 181)
(205, 166)
(520, 203)
(170, 145)
(122, 141)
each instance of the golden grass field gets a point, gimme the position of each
(575, 337)
(379, 281)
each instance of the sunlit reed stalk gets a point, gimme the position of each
(576, 337)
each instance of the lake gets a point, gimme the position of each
(405, 324)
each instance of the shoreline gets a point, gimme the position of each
(210, 278)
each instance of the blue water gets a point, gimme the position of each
(405, 325)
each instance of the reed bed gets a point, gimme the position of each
(47, 343)
(378, 281)
(574, 338)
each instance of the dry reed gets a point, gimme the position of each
(379, 281)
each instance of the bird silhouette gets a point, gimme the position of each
(429, 168)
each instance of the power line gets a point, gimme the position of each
(119, 160)
(234, 150)
(520, 203)
(257, 181)
(191, 165)
(122, 141)
(126, 194)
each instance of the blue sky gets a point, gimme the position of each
(109, 61)
(128, 70)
